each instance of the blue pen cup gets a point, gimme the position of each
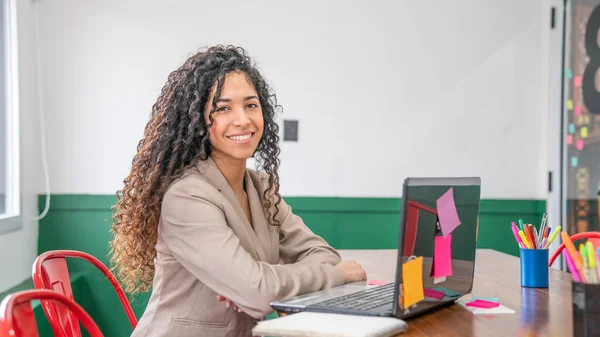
(534, 268)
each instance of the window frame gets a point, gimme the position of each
(11, 219)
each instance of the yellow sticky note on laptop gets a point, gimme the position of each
(412, 281)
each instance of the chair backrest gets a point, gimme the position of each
(17, 318)
(50, 272)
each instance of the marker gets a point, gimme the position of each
(524, 239)
(520, 224)
(532, 236)
(553, 236)
(528, 236)
(598, 262)
(516, 234)
(589, 249)
(572, 268)
(543, 226)
(573, 252)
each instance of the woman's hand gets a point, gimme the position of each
(352, 271)
(228, 303)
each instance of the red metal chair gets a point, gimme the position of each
(17, 318)
(412, 225)
(50, 272)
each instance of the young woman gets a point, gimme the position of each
(198, 226)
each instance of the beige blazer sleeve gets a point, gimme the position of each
(194, 229)
(299, 244)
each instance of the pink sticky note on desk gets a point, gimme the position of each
(442, 256)
(483, 304)
(438, 295)
(447, 213)
(376, 282)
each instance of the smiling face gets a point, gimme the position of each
(238, 119)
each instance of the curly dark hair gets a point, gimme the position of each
(175, 138)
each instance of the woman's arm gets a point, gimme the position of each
(299, 244)
(194, 229)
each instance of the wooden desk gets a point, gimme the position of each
(539, 312)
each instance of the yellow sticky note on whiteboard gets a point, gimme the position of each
(412, 281)
(570, 104)
(584, 132)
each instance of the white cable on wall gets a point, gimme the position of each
(41, 112)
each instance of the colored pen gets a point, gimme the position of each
(598, 262)
(532, 236)
(528, 235)
(586, 263)
(572, 268)
(553, 236)
(520, 224)
(589, 249)
(524, 239)
(574, 255)
(516, 233)
(543, 227)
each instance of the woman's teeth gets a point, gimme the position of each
(242, 137)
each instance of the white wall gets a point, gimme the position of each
(18, 249)
(382, 90)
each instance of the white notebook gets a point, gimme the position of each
(307, 324)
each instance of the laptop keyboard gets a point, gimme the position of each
(362, 300)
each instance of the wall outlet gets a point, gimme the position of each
(290, 131)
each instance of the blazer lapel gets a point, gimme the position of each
(236, 218)
(258, 215)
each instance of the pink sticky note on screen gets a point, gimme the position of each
(579, 144)
(376, 282)
(577, 81)
(442, 256)
(569, 139)
(483, 304)
(438, 295)
(447, 212)
(577, 110)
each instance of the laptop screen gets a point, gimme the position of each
(440, 217)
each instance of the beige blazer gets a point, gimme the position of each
(207, 247)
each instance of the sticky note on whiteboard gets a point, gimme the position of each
(571, 128)
(577, 81)
(579, 144)
(447, 213)
(570, 104)
(574, 161)
(569, 139)
(584, 132)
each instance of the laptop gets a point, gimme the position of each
(419, 225)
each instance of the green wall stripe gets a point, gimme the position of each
(83, 202)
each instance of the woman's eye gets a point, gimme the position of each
(252, 106)
(223, 109)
